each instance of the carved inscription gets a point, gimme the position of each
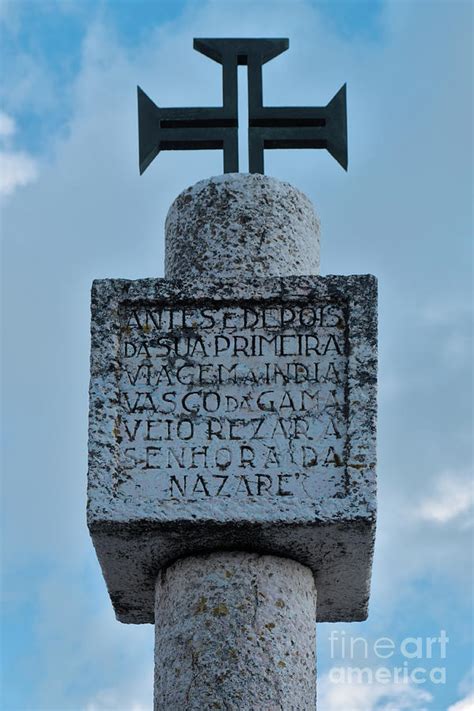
(234, 400)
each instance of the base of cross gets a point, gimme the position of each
(232, 447)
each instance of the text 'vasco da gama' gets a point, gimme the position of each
(251, 390)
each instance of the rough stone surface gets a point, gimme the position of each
(235, 631)
(233, 404)
(276, 455)
(241, 225)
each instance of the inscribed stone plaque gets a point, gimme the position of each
(234, 415)
(242, 400)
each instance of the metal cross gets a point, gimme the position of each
(216, 127)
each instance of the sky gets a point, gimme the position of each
(74, 208)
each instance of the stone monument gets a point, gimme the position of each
(232, 440)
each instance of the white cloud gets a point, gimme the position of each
(113, 699)
(371, 697)
(452, 498)
(7, 125)
(80, 638)
(466, 685)
(466, 704)
(133, 692)
(446, 313)
(16, 169)
(452, 321)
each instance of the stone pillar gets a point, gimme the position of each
(235, 631)
(241, 225)
(232, 447)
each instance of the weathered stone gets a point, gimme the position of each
(232, 411)
(241, 225)
(289, 465)
(235, 631)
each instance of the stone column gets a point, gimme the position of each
(235, 631)
(232, 447)
(241, 225)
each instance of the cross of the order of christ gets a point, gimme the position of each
(217, 127)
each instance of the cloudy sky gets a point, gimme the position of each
(73, 208)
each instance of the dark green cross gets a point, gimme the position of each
(217, 127)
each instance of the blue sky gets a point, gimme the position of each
(73, 208)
